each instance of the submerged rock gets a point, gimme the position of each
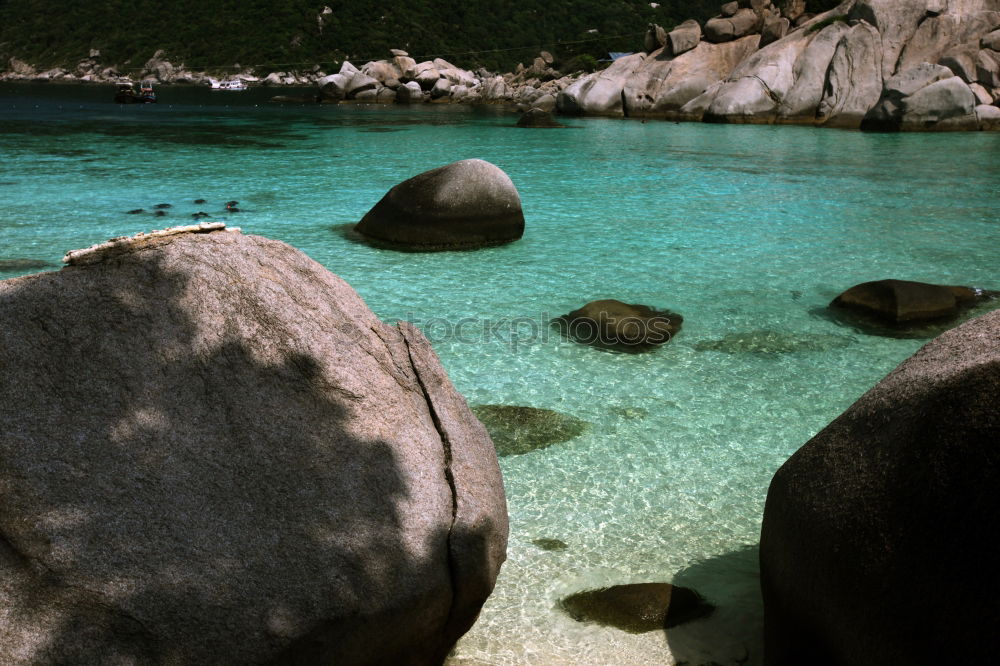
(516, 429)
(551, 545)
(464, 205)
(888, 513)
(612, 324)
(637, 608)
(223, 456)
(536, 117)
(774, 342)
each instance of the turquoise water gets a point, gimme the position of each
(748, 231)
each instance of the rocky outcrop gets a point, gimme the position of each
(612, 324)
(536, 117)
(829, 69)
(463, 205)
(885, 516)
(219, 454)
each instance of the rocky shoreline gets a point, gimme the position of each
(884, 65)
(397, 79)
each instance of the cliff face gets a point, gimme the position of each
(873, 64)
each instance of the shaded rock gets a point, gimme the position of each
(726, 29)
(991, 41)
(792, 9)
(600, 93)
(854, 79)
(773, 30)
(881, 516)
(537, 118)
(774, 342)
(962, 63)
(888, 113)
(204, 470)
(730, 8)
(637, 608)
(427, 78)
(410, 93)
(359, 83)
(11, 265)
(662, 87)
(946, 104)
(982, 95)
(684, 37)
(516, 429)
(901, 302)
(551, 545)
(655, 38)
(939, 35)
(801, 101)
(988, 69)
(988, 117)
(441, 88)
(612, 324)
(462, 205)
(334, 87)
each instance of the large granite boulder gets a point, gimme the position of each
(214, 453)
(462, 205)
(877, 544)
(612, 324)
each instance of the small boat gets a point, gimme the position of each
(146, 92)
(229, 84)
(126, 93)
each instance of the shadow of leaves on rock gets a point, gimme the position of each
(192, 490)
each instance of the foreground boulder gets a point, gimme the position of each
(462, 205)
(881, 525)
(611, 324)
(214, 453)
(900, 302)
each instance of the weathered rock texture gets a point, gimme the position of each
(462, 205)
(901, 301)
(833, 69)
(885, 518)
(214, 453)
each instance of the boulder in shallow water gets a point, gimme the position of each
(887, 515)
(903, 301)
(637, 608)
(516, 429)
(612, 324)
(462, 205)
(222, 456)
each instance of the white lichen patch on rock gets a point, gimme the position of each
(124, 244)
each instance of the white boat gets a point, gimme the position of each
(229, 84)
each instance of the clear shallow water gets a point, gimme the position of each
(746, 231)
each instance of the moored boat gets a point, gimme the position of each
(229, 84)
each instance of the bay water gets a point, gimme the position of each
(747, 231)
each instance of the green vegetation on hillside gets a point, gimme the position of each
(288, 34)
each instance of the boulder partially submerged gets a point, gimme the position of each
(214, 452)
(884, 519)
(612, 324)
(463, 205)
(904, 303)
